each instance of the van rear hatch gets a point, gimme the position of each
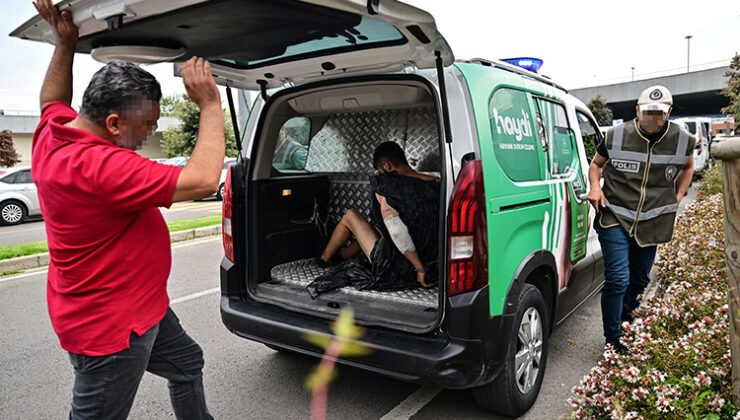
(256, 44)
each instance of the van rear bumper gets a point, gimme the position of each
(436, 358)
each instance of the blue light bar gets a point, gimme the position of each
(528, 63)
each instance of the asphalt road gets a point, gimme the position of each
(34, 229)
(244, 379)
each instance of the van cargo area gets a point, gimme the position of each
(288, 208)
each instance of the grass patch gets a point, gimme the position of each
(8, 273)
(12, 251)
(197, 222)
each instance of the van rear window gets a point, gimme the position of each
(368, 33)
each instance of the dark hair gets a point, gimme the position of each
(391, 152)
(115, 85)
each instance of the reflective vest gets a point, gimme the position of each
(640, 181)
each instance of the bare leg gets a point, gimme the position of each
(339, 237)
(351, 250)
(353, 222)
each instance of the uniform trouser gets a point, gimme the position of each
(626, 270)
(105, 386)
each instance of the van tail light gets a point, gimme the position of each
(227, 205)
(467, 251)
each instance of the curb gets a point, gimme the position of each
(40, 260)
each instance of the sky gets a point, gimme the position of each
(582, 43)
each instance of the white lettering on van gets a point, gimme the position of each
(518, 127)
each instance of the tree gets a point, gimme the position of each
(181, 140)
(603, 115)
(8, 154)
(732, 91)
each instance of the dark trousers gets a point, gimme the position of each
(105, 386)
(627, 273)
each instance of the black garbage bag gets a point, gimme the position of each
(417, 203)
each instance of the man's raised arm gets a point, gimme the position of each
(58, 81)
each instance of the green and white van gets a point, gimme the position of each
(336, 78)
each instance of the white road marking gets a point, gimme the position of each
(412, 404)
(194, 295)
(24, 275)
(45, 269)
(198, 242)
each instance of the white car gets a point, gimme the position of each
(700, 128)
(227, 162)
(18, 196)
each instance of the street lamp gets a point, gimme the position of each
(688, 51)
(633, 74)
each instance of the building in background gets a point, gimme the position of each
(23, 124)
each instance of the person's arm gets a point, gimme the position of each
(201, 174)
(683, 180)
(595, 194)
(57, 84)
(402, 239)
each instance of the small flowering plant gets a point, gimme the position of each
(679, 365)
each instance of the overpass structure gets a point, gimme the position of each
(694, 93)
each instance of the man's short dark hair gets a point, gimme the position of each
(391, 152)
(116, 85)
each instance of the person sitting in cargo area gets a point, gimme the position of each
(109, 245)
(401, 243)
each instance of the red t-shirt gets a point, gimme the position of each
(108, 242)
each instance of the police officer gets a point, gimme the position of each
(647, 164)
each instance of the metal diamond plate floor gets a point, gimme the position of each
(303, 272)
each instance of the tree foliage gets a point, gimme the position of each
(180, 140)
(598, 107)
(732, 91)
(8, 154)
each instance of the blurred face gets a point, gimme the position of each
(652, 122)
(134, 124)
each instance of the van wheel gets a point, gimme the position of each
(12, 213)
(515, 389)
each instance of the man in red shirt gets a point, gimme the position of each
(108, 242)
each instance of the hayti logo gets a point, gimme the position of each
(519, 127)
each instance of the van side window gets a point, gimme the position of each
(562, 151)
(589, 132)
(514, 141)
(291, 150)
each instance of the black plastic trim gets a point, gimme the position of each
(532, 262)
(373, 7)
(418, 34)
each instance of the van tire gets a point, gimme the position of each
(504, 395)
